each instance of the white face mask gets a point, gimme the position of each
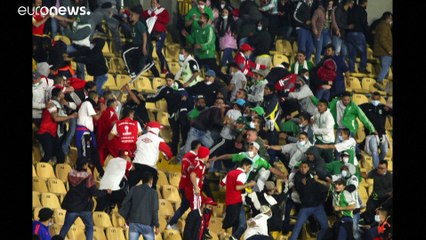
(250, 154)
(377, 218)
(344, 173)
(259, 28)
(201, 6)
(340, 138)
(375, 103)
(208, 82)
(181, 57)
(301, 143)
(301, 125)
(307, 77)
(222, 6)
(345, 159)
(225, 17)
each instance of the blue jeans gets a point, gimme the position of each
(242, 224)
(385, 63)
(100, 81)
(374, 148)
(342, 234)
(137, 229)
(321, 42)
(158, 48)
(323, 94)
(72, 124)
(305, 42)
(356, 42)
(70, 218)
(340, 46)
(79, 141)
(227, 56)
(184, 205)
(355, 226)
(302, 216)
(195, 134)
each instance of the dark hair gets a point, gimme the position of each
(170, 75)
(205, 15)
(246, 162)
(271, 87)
(322, 100)
(92, 94)
(304, 162)
(376, 94)
(285, 64)
(81, 161)
(219, 98)
(106, 93)
(146, 177)
(330, 46)
(186, 49)
(360, 2)
(302, 52)
(57, 237)
(137, 9)
(386, 15)
(346, 131)
(194, 144)
(305, 115)
(303, 71)
(56, 92)
(243, 90)
(233, 64)
(126, 112)
(89, 85)
(57, 79)
(110, 102)
(230, 23)
(346, 94)
(304, 133)
(340, 181)
(384, 162)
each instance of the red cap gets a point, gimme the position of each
(209, 201)
(203, 152)
(154, 125)
(246, 47)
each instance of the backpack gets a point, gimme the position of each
(327, 71)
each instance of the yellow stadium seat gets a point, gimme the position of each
(76, 232)
(39, 185)
(359, 99)
(174, 67)
(279, 58)
(174, 178)
(163, 118)
(62, 170)
(158, 82)
(113, 233)
(162, 179)
(64, 39)
(59, 216)
(36, 154)
(368, 85)
(363, 194)
(101, 219)
(36, 199)
(143, 84)
(45, 170)
(107, 51)
(170, 234)
(35, 213)
(166, 208)
(56, 186)
(50, 200)
(215, 225)
(355, 86)
(171, 193)
(98, 233)
(34, 171)
(117, 220)
(54, 229)
(121, 80)
(163, 223)
(161, 105)
(110, 83)
(219, 210)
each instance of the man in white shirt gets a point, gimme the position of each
(323, 129)
(257, 227)
(238, 80)
(85, 139)
(41, 91)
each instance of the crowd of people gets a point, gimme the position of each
(231, 111)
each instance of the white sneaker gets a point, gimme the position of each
(173, 227)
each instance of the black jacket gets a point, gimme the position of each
(172, 97)
(376, 115)
(313, 193)
(209, 119)
(301, 14)
(261, 42)
(95, 60)
(276, 73)
(341, 16)
(208, 91)
(318, 165)
(358, 17)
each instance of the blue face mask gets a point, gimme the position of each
(375, 103)
(181, 57)
(340, 138)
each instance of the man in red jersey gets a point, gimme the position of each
(104, 126)
(244, 63)
(187, 161)
(124, 134)
(235, 215)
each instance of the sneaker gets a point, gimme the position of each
(207, 234)
(172, 227)
(132, 75)
(232, 238)
(379, 86)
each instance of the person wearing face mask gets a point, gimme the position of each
(347, 144)
(303, 93)
(189, 70)
(269, 197)
(382, 189)
(238, 80)
(323, 127)
(344, 204)
(255, 92)
(304, 126)
(377, 113)
(208, 88)
(260, 167)
(382, 48)
(257, 227)
(261, 41)
(226, 29)
(334, 167)
(41, 226)
(382, 228)
(244, 62)
(194, 15)
(295, 151)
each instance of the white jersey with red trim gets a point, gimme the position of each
(114, 173)
(147, 149)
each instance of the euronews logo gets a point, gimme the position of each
(52, 11)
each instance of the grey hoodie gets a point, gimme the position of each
(296, 152)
